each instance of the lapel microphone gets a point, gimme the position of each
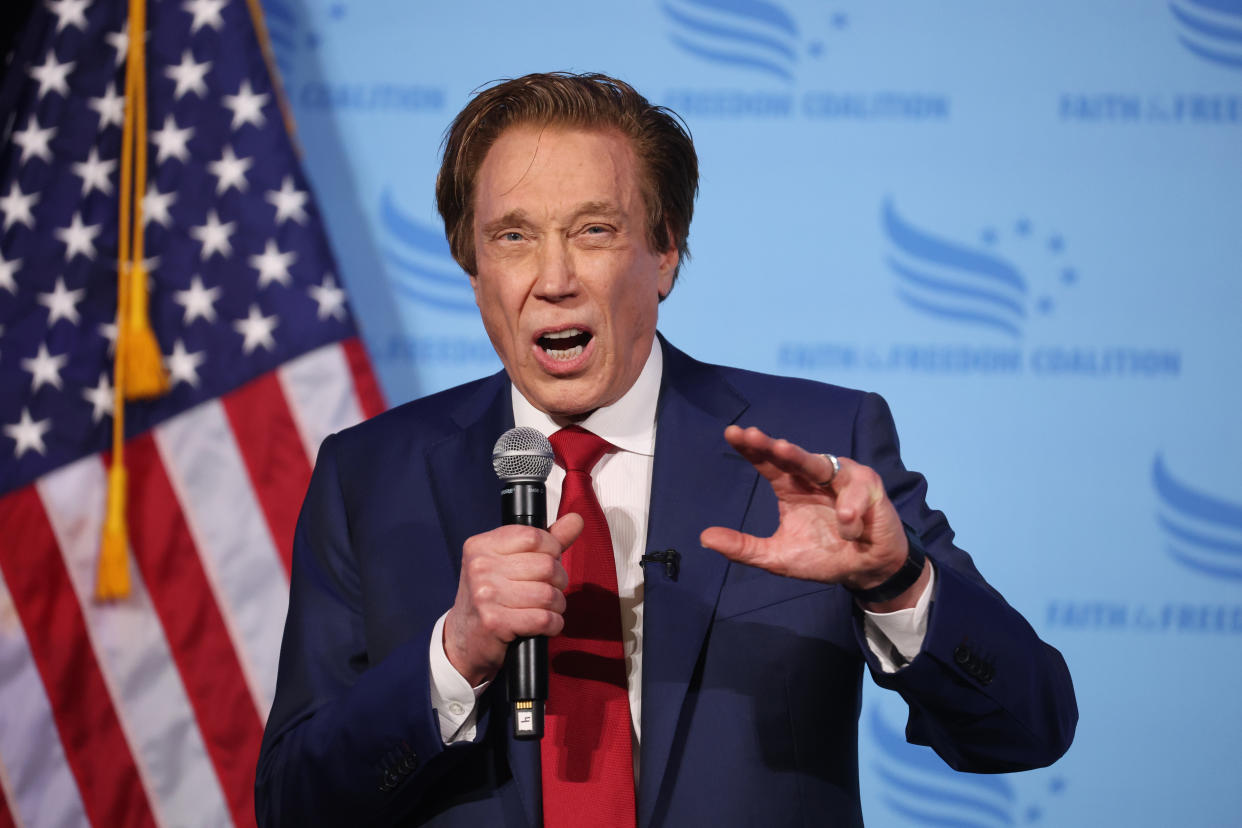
(522, 459)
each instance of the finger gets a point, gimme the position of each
(779, 456)
(734, 545)
(539, 595)
(859, 490)
(566, 530)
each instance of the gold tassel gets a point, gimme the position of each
(144, 372)
(112, 577)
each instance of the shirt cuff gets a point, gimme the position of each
(897, 637)
(454, 700)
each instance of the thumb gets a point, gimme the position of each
(567, 529)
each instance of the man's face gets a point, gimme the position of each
(566, 283)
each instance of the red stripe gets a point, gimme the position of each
(274, 455)
(6, 819)
(90, 731)
(197, 636)
(370, 399)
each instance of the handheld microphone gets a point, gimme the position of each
(522, 459)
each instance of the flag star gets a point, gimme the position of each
(214, 236)
(120, 42)
(78, 238)
(155, 205)
(198, 301)
(95, 173)
(289, 201)
(7, 268)
(101, 399)
(171, 141)
(331, 298)
(230, 171)
(273, 266)
(44, 368)
(246, 106)
(256, 330)
(108, 331)
(189, 76)
(34, 141)
(16, 206)
(110, 106)
(206, 13)
(28, 434)
(62, 303)
(69, 13)
(182, 365)
(52, 75)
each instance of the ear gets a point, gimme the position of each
(668, 261)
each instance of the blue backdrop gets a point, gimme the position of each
(1020, 222)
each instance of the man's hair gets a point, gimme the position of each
(668, 166)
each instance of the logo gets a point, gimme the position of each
(423, 270)
(1210, 29)
(1201, 531)
(751, 35)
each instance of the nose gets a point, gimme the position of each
(557, 278)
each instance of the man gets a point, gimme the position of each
(733, 663)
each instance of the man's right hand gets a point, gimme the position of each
(512, 585)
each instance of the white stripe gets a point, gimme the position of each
(34, 773)
(134, 657)
(208, 474)
(319, 388)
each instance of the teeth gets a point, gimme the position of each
(565, 334)
(566, 354)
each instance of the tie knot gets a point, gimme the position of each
(577, 449)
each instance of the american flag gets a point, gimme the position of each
(149, 710)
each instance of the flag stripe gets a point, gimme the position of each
(36, 783)
(60, 643)
(200, 643)
(273, 453)
(133, 655)
(369, 396)
(251, 588)
(320, 388)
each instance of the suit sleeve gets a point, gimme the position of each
(985, 692)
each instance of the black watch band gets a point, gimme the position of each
(902, 579)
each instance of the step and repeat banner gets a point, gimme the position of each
(1020, 222)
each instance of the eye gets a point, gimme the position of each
(511, 236)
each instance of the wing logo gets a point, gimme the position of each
(418, 255)
(1202, 532)
(1210, 29)
(751, 35)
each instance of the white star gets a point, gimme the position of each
(189, 76)
(197, 301)
(28, 434)
(289, 201)
(108, 331)
(16, 206)
(230, 171)
(273, 266)
(120, 42)
(95, 173)
(44, 368)
(52, 75)
(331, 298)
(247, 107)
(69, 13)
(62, 303)
(155, 205)
(257, 330)
(206, 13)
(111, 107)
(172, 141)
(183, 366)
(101, 399)
(78, 238)
(214, 236)
(34, 141)
(7, 268)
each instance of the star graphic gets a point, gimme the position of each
(120, 42)
(230, 171)
(183, 366)
(198, 301)
(28, 434)
(62, 303)
(256, 330)
(34, 140)
(16, 206)
(171, 141)
(108, 331)
(110, 106)
(331, 298)
(8, 267)
(206, 13)
(52, 75)
(101, 399)
(289, 200)
(69, 13)
(44, 368)
(189, 76)
(78, 238)
(273, 266)
(214, 236)
(95, 173)
(155, 205)
(246, 106)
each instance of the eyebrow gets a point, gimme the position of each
(519, 217)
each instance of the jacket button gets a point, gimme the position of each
(961, 655)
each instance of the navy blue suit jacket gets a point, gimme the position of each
(752, 682)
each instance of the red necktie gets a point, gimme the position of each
(588, 770)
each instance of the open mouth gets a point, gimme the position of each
(564, 345)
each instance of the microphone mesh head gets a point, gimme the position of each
(520, 454)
